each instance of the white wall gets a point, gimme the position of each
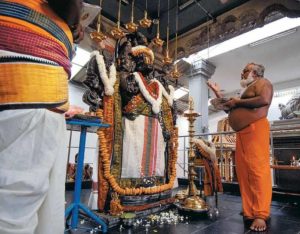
(75, 97)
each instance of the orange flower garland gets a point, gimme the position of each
(105, 156)
(107, 116)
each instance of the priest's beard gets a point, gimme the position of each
(245, 82)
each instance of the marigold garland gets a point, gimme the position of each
(105, 156)
(107, 116)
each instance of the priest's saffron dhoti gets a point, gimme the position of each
(253, 169)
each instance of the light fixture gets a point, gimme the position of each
(145, 22)
(271, 38)
(117, 32)
(131, 26)
(98, 36)
(167, 60)
(157, 41)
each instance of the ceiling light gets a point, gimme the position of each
(180, 92)
(278, 35)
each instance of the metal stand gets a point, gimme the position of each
(74, 207)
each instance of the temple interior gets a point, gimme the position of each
(152, 147)
(190, 42)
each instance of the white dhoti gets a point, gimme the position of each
(143, 148)
(33, 157)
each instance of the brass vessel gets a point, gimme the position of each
(195, 203)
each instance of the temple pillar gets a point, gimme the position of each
(202, 70)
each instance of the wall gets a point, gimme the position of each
(75, 97)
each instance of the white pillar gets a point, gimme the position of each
(202, 70)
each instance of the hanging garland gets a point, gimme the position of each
(154, 101)
(105, 156)
(108, 81)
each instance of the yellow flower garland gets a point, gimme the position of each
(105, 156)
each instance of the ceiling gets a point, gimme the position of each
(192, 13)
(280, 57)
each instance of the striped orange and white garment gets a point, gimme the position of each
(35, 53)
(143, 148)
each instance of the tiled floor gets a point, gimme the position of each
(285, 220)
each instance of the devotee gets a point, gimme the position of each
(36, 40)
(247, 116)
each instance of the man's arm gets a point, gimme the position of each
(215, 88)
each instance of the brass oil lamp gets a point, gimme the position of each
(98, 36)
(145, 22)
(167, 59)
(157, 41)
(175, 74)
(193, 202)
(117, 32)
(131, 26)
